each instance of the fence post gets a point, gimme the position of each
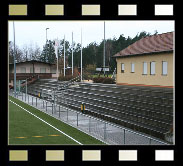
(28, 99)
(43, 103)
(105, 131)
(67, 115)
(89, 124)
(124, 137)
(22, 96)
(77, 119)
(52, 108)
(36, 101)
(26, 89)
(54, 100)
(59, 111)
(32, 100)
(19, 85)
(46, 106)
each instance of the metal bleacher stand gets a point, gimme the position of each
(144, 109)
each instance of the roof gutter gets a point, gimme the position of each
(124, 56)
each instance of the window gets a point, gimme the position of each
(122, 68)
(42, 70)
(152, 68)
(164, 68)
(31, 70)
(132, 67)
(145, 68)
(53, 70)
(23, 70)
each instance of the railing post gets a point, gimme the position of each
(149, 141)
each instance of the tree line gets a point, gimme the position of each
(92, 53)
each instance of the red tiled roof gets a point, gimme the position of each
(151, 44)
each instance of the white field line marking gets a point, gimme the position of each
(47, 123)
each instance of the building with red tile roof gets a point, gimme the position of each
(148, 61)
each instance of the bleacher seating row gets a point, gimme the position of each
(145, 109)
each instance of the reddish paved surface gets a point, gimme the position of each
(160, 86)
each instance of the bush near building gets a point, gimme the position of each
(66, 78)
(104, 80)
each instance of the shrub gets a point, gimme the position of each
(108, 80)
(66, 78)
(104, 80)
(97, 80)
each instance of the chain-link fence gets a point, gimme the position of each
(100, 129)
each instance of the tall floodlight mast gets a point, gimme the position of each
(64, 55)
(104, 51)
(14, 61)
(72, 56)
(81, 58)
(56, 51)
(46, 40)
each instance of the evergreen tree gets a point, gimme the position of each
(48, 53)
(67, 48)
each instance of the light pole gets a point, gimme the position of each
(104, 50)
(81, 58)
(72, 55)
(46, 34)
(46, 40)
(64, 55)
(56, 50)
(14, 61)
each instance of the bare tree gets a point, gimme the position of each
(31, 52)
(18, 53)
(25, 52)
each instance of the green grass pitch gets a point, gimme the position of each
(25, 129)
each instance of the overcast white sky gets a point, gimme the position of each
(34, 32)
